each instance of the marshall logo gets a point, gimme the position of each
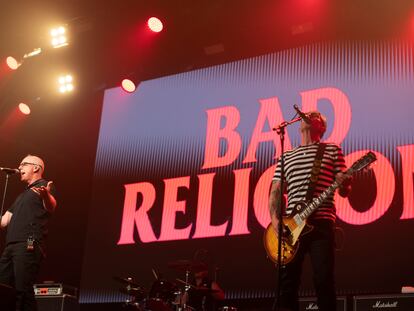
(312, 306)
(379, 304)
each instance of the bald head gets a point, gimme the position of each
(31, 168)
(35, 160)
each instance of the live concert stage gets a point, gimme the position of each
(166, 176)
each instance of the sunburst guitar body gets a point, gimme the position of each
(293, 230)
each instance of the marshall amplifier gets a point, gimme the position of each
(7, 298)
(52, 296)
(309, 303)
(400, 302)
(57, 303)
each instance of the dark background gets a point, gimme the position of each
(108, 43)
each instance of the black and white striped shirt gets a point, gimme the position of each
(298, 166)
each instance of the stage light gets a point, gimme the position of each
(12, 63)
(35, 52)
(154, 24)
(58, 36)
(128, 85)
(65, 83)
(24, 108)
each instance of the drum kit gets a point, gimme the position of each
(165, 295)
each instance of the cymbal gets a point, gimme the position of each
(184, 282)
(136, 292)
(200, 289)
(187, 265)
(126, 281)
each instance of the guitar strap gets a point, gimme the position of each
(315, 171)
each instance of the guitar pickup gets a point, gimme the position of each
(298, 220)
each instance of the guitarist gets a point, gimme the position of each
(319, 243)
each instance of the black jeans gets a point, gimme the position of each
(320, 244)
(19, 269)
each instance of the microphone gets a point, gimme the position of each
(10, 171)
(302, 115)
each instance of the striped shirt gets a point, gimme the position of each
(298, 166)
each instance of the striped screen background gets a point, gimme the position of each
(200, 144)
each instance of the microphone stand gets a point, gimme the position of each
(280, 130)
(4, 194)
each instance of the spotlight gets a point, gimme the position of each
(58, 37)
(128, 85)
(12, 63)
(154, 24)
(24, 108)
(35, 52)
(65, 83)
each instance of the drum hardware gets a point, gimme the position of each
(201, 289)
(127, 281)
(188, 266)
(135, 292)
(163, 294)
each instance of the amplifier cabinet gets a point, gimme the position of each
(7, 298)
(309, 304)
(57, 303)
(398, 302)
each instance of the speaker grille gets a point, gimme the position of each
(57, 303)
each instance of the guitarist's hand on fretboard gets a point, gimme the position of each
(344, 180)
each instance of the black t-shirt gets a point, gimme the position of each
(29, 216)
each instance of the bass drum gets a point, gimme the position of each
(154, 304)
(161, 296)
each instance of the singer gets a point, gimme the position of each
(26, 222)
(309, 169)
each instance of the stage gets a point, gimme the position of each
(170, 171)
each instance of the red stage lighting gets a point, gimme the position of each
(12, 63)
(128, 85)
(25, 109)
(154, 24)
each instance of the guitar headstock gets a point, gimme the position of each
(363, 162)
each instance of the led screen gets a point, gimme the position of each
(184, 165)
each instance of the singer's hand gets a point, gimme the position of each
(49, 201)
(43, 191)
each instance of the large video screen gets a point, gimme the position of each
(184, 166)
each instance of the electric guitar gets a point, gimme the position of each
(295, 224)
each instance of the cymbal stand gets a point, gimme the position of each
(187, 287)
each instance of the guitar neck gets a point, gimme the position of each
(316, 202)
